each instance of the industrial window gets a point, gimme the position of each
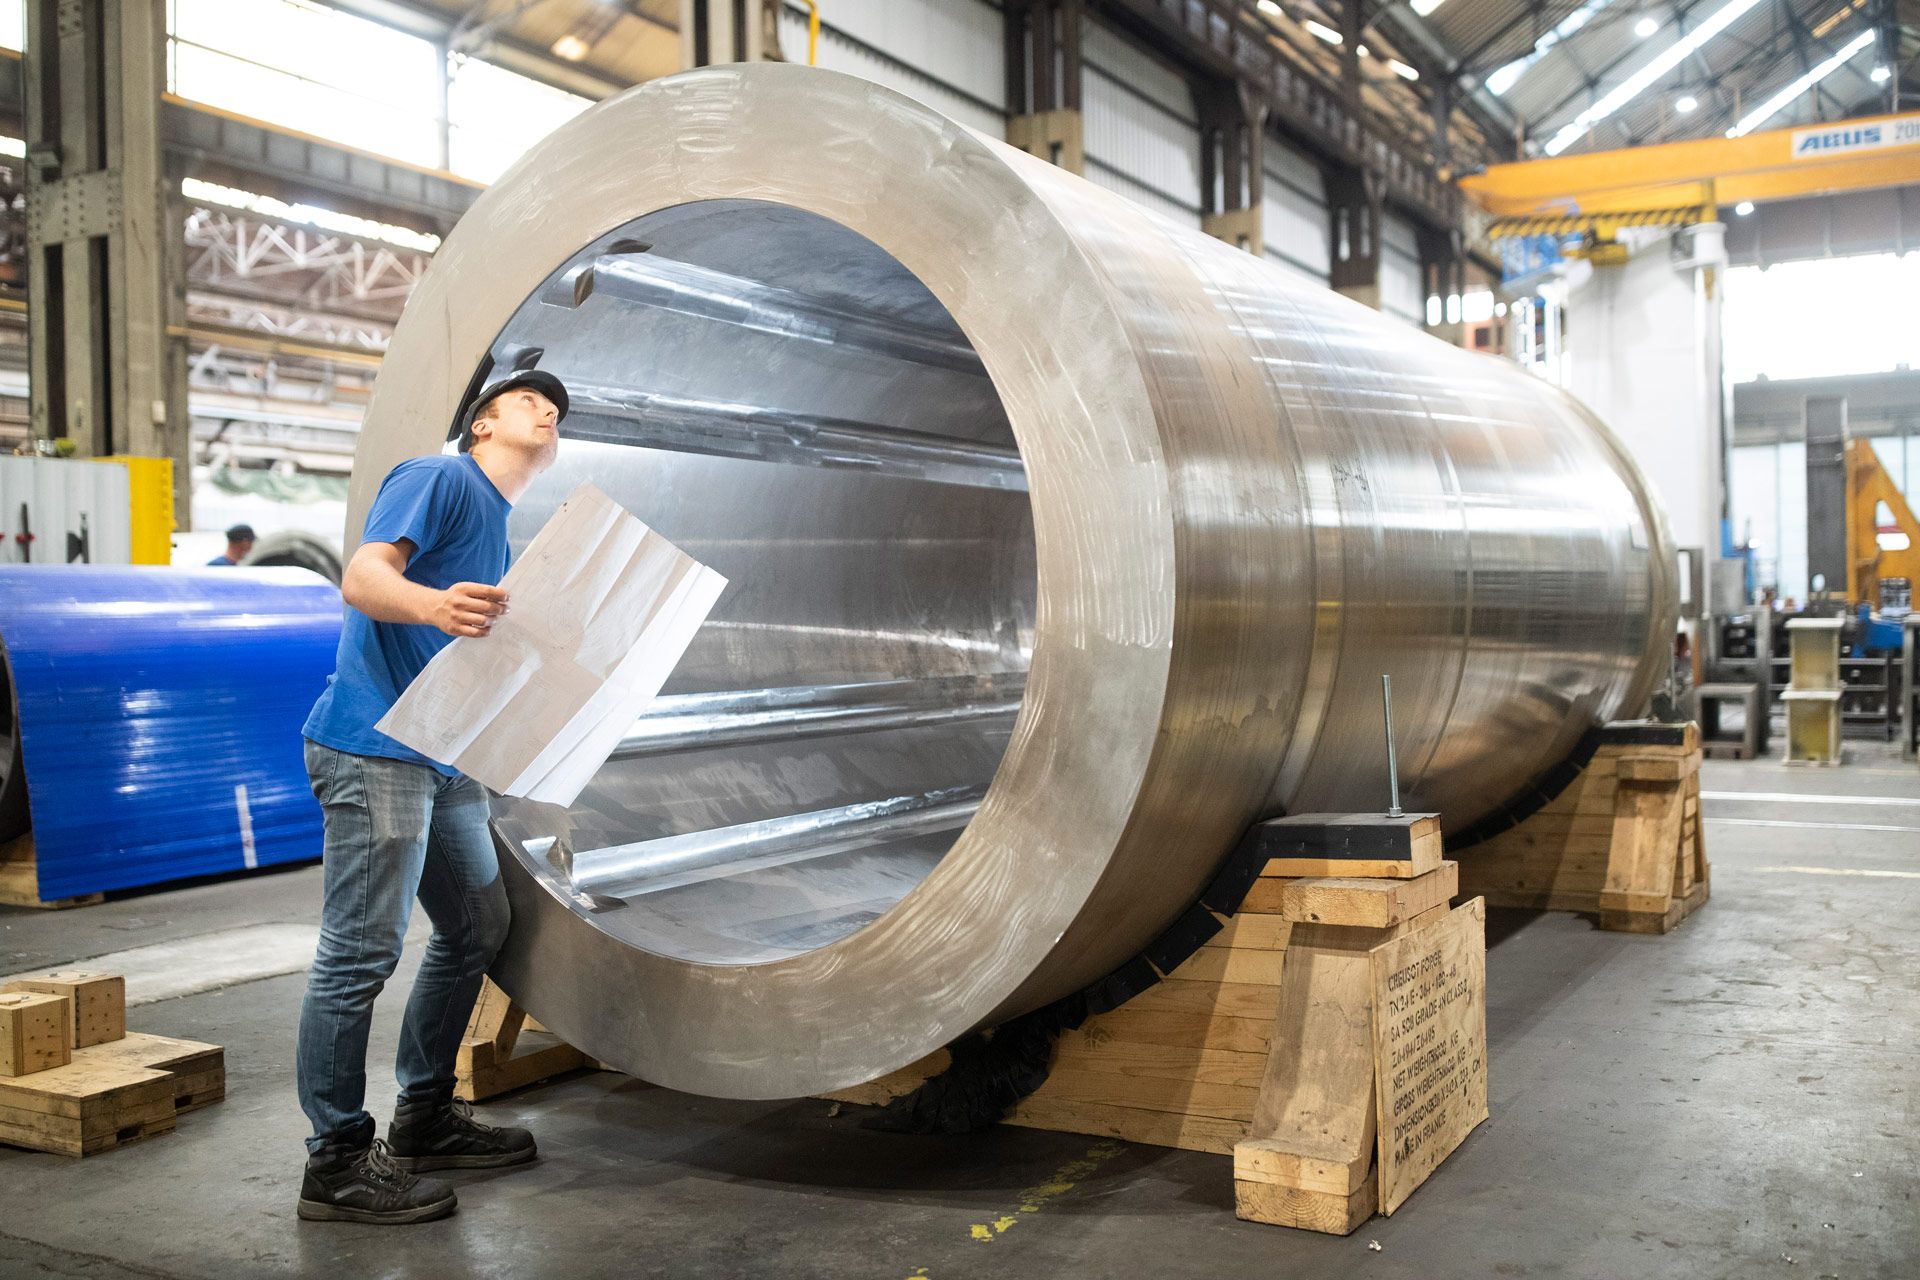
(1856, 315)
(318, 70)
(310, 68)
(495, 115)
(13, 24)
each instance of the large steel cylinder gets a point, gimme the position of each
(1064, 542)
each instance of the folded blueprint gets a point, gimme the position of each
(599, 610)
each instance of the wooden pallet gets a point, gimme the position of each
(505, 1050)
(110, 1091)
(20, 879)
(1622, 842)
(1266, 1044)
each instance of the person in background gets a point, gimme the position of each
(239, 542)
(400, 826)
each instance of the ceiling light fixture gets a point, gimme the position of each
(1772, 106)
(1882, 74)
(589, 31)
(1686, 104)
(1402, 70)
(1269, 8)
(1638, 83)
(1324, 31)
(1425, 7)
(1505, 77)
(1646, 26)
(1742, 209)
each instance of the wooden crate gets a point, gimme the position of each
(33, 1032)
(1622, 842)
(97, 1008)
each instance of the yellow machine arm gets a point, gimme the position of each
(1869, 485)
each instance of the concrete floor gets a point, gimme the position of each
(1736, 1099)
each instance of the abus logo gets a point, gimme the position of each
(1838, 139)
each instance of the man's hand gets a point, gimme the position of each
(376, 585)
(468, 608)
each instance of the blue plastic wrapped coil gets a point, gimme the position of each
(156, 714)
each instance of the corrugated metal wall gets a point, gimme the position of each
(947, 54)
(1142, 137)
(1402, 293)
(1293, 218)
(1142, 133)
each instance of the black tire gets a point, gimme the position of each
(291, 548)
(14, 817)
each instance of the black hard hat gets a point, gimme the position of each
(538, 379)
(240, 533)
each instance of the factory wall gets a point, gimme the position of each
(1293, 215)
(1643, 353)
(1402, 293)
(1142, 135)
(947, 54)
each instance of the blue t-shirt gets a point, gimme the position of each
(457, 521)
(222, 560)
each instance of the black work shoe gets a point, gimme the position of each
(347, 1184)
(440, 1132)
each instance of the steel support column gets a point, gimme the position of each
(1043, 80)
(1233, 123)
(1443, 275)
(1827, 492)
(718, 31)
(104, 371)
(1356, 210)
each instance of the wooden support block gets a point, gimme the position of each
(1323, 1211)
(1254, 931)
(1186, 1131)
(198, 1071)
(505, 1050)
(33, 1032)
(479, 1075)
(1338, 844)
(89, 1105)
(1623, 842)
(1647, 767)
(1342, 937)
(895, 1084)
(1265, 1160)
(1646, 831)
(1429, 1046)
(97, 1008)
(1372, 904)
(20, 879)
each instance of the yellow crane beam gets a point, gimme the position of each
(1849, 155)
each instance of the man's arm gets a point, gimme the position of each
(376, 584)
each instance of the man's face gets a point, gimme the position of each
(239, 547)
(526, 422)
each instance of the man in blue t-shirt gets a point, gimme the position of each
(239, 542)
(400, 825)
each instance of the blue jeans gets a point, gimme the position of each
(394, 830)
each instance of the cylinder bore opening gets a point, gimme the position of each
(781, 398)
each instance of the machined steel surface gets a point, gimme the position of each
(1063, 543)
